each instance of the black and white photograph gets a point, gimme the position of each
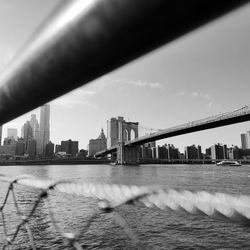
(124, 124)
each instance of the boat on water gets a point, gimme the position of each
(228, 163)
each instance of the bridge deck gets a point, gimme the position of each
(232, 117)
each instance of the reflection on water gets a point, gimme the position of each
(155, 229)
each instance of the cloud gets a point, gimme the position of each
(210, 104)
(196, 95)
(106, 81)
(143, 84)
(74, 98)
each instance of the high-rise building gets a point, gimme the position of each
(58, 148)
(9, 141)
(35, 127)
(161, 152)
(96, 145)
(244, 141)
(27, 133)
(49, 150)
(218, 151)
(20, 147)
(248, 139)
(208, 153)
(31, 148)
(1, 129)
(44, 133)
(12, 133)
(173, 153)
(70, 147)
(193, 152)
(8, 149)
(148, 150)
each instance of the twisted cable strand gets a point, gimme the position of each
(116, 195)
(111, 196)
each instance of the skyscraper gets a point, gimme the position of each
(70, 147)
(44, 133)
(27, 133)
(244, 141)
(35, 127)
(248, 139)
(98, 144)
(1, 135)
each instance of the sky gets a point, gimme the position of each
(198, 75)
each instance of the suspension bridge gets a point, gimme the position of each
(127, 150)
(79, 43)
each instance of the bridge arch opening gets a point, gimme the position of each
(126, 135)
(132, 134)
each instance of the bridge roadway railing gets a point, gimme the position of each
(192, 124)
(108, 197)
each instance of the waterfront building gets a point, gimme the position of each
(161, 152)
(208, 153)
(225, 151)
(44, 133)
(173, 153)
(236, 152)
(219, 152)
(31, 148)
(70, 147)
(193, 152)
(148, 150)
(153, 152)
(145, 152)
(12, 133)
(1, 131)
(20, 147)
(233, 153)
(58, 148)
(245, 154)
(49, 150)
(8, 149)
(9, 141)
(96, 145)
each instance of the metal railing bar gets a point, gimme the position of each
(84, 40)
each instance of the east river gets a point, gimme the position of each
(155, 228)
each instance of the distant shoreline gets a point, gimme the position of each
(104, 161)
(53, 162)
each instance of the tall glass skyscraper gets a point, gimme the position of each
(44, 133)
(35, 127)
(1, 135)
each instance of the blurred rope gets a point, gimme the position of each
(111, 196)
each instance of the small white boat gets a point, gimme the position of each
(228, 163)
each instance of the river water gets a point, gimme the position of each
(155, 229)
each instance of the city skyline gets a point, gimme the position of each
(44, 131)
(201, 74)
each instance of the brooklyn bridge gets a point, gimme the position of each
(123, 137)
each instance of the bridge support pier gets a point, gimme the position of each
(127, 155)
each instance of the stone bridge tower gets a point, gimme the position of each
(120, 132)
